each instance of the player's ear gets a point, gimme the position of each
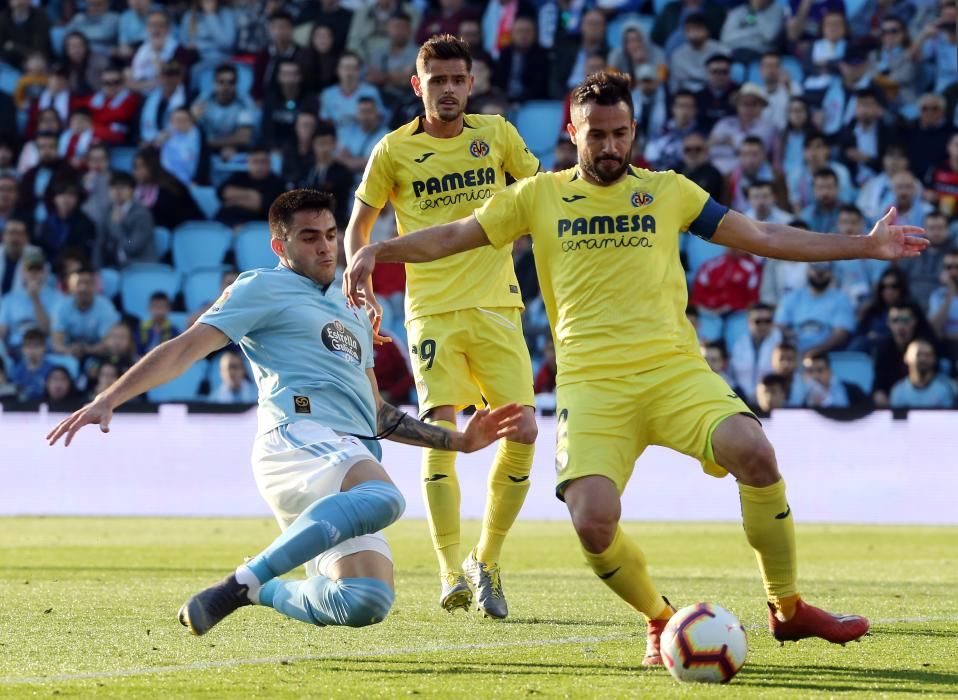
(416, 85)
(570, 129)
(278, 246)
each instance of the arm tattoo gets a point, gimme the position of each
(401, 427)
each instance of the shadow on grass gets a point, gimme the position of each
(847, 678)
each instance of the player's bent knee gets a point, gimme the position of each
(595, 533)
(759, 466)
(364, 601)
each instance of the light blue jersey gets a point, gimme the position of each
(939, 393)
(814, 317)
(308, 350)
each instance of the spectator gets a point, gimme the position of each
(824, 390)
(750, 167)
(114, 109)
(801, 180)
(935, 44)
(877, 195)
(48, 113)
(727, 283)
(522, 68)
(14, 250)
(131, 31)
(9, 196)
(484, 93)
(838, 101)
(895, 73)
(98, 25)
(252, 25)
(688, 69)
(30, 373)
(664, 151)
(84, 65)
(865, 138)
(280, 48)
(357, 142)
(23, 29)
(209, 29)
(168, 199)
(340, 103)
(666, 30)
(226, 117)
(651, 104)
(281, 107)
(330, 13)
(715, 99)
(911, 210)
(566, 156)
(927, 139)
(785, 364)
(445, 19)
(830, 48)
(470, 31)
(320, 58)
(751, 356)
(524, 264)
(924, 272)
(50, 168)
(943, 305)
(822, 213)
(696, 167)
(327, 173)
(183, 151)
(33, 82)
(8, 390)
(59, 391)
(96, 183)
(761, 205)
(392, 373)
(390, 65)
(234, 386)
(780, 90)
(819, 317)
(498, 22)
(753, 29)
(161, 102)
(693, 317)
(157, 328)
(126, 236)
(119, 348)
(159, 49)
(81, 321)
(106, 376)
(29, 306)
(298, 157)
(716, 356)
(247, 196)
(856, 277)
(924, 387)
(942, 181)
(75, 142)
(636, 51)
(372, 31)
(66, 226)
(569, 67)
(906, 323)
(545, 382)
(771, 392)
(872, 329)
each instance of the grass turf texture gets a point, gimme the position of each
(99, 597)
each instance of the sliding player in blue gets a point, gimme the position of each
(316, 455)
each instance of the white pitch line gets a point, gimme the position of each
(235, 663)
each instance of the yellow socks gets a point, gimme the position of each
(622, 568)
(440, 491)
(508, 486)
(770, 530)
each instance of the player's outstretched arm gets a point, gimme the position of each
(165, 362)
(422, 246)
(484, 427)
(885, 242)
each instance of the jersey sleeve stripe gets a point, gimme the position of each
(706, 223)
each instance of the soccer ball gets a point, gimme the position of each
(704, 643)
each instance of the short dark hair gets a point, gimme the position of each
(753, 141)
(34, 335)
(774, 54)
(282, 15)
(325, 128)
(851, 209)
(684, 93)
(695, 18)
(814, 136)
(718, 58)
(717, 345)
(785, 346)
(46, 135)
(443, 47)
(815, 356)
(757, 184)
(17, 220)
(281, 212)
(160, 296)
(825, 172)
(225, 68)
(258, 149)
(936, 214)
(404, 16)
(773, 379)
(761, 306)
(605, 88)
(120, 178)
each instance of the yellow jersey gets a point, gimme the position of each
(432, 181)
(608, 264)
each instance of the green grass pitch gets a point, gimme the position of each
(88, 606)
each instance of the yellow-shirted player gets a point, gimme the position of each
(463, 314)
(606, 241)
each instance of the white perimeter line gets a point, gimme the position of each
(234, 663)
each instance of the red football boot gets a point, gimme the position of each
(653, 657)
(809, 621)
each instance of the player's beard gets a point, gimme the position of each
(607, 177)
(447, 116)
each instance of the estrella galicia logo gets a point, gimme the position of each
(478, 148)
(340, 341)
(641, 199)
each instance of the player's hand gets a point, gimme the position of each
(358, 271)
(97, 412)
(486, 426)
(375, 312)
(890, 241)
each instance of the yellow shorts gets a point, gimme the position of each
(469, 358)
(603, 426)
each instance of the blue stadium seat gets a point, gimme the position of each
(121, 158)
(736, 326)
(710, 326)
(186, 387)
(659, 5)
(698, 251)
(854, 367)
(161, 240)
(199, 244)
(202, 287)
(739, 72)
(206, 198)
(67, 362)
(110, 282)
(539, 122)
(9, 76)
(57, 35)
(794, 68)
(141, 280)
(252, 247)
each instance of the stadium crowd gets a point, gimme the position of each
(141, 145)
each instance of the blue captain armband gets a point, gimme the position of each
(706, 223)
